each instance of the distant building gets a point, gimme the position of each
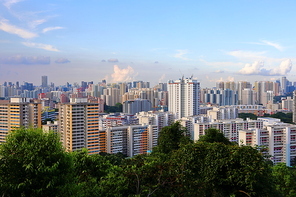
(230, 128)
(50, 127)
(44, 81)
(287, 104)
(136, 106)
(159, 118)
(131, 140)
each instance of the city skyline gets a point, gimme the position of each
(73, 41)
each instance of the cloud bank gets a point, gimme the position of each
(31, 60)
(257, 68)
(62, 61)
(112, 60)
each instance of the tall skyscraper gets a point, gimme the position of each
(44, 81)
(184, 97)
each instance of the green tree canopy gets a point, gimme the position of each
(247, 115)
(217, 169)
(284, 179)
(214, 135)
(33, 163)
(171, 137)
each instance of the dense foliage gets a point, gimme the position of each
(284, 117)
(112, 109)
(33, 163)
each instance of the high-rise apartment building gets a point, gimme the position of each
(16, 113)
(77, 120)
(184, 97)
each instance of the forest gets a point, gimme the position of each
(34, 163)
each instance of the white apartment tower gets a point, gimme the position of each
(184, 97)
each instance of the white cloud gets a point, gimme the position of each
(160, 80)
(252, 69)
(35, 23)
(9, 3)
(181, 54)
(51, 28)
(257, 68)
(5, 26)
(284, 68)
(121, 75)
(214, 79)
(273, 44)
(269, 43)
(247, 55)
(230, 78)
(40, 46)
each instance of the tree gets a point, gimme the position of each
(112, 109)
(214, 135)
(284, 117)
(284, 179)
(247, 115)
(149, 175)
(171, 137)
(217, 169)
(33, 163)
(90, 169)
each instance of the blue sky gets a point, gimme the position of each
(149, 40)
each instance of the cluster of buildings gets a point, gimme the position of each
(76, 113)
